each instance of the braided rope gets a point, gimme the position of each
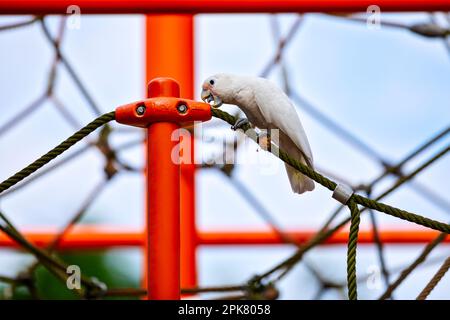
(351, 250)
(402, 214)
(352, 204)
(55, 152)
(406, 272)
(435, 280)
(329, 184)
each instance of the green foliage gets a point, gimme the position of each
(97, 264)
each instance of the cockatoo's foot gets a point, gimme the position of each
(264, 140)
(240, 123)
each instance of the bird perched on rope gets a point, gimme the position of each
(266, 107)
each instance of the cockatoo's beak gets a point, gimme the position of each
(208, 97)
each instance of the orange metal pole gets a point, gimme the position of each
(162, 113)
(163, 203)
(170, 53)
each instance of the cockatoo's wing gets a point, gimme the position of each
(279, 111)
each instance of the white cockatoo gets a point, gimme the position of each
(267, 107)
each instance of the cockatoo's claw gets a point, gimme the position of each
(240, 123)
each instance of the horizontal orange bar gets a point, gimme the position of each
(99, 237)
(215, 6)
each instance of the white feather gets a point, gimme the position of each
(279, 111)
(268, 107)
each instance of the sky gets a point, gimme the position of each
(387, 86)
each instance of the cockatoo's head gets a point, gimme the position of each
(217, 90)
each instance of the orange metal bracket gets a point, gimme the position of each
(163, 113)
(163, 109)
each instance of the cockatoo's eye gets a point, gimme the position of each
(211, 82)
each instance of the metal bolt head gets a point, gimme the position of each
(140, 110)
(182, 108)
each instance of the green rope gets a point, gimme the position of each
(353, 202)
(55, 152)
(331, 185)
(351, 251)
(12, 232)
(402, 214)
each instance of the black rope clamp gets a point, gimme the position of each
(342, 193)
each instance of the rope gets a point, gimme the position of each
(354, 200)
(324, 233)
(331, 185)
(324, 181)
(19, 24)
(435, 280)
(402, 214)
(380, 247)
(62, 58)
(55, 152)
(405, 273)
(351, 251)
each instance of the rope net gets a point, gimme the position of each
(265, 284)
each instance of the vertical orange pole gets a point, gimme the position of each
(163, 203)
(170, 53)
